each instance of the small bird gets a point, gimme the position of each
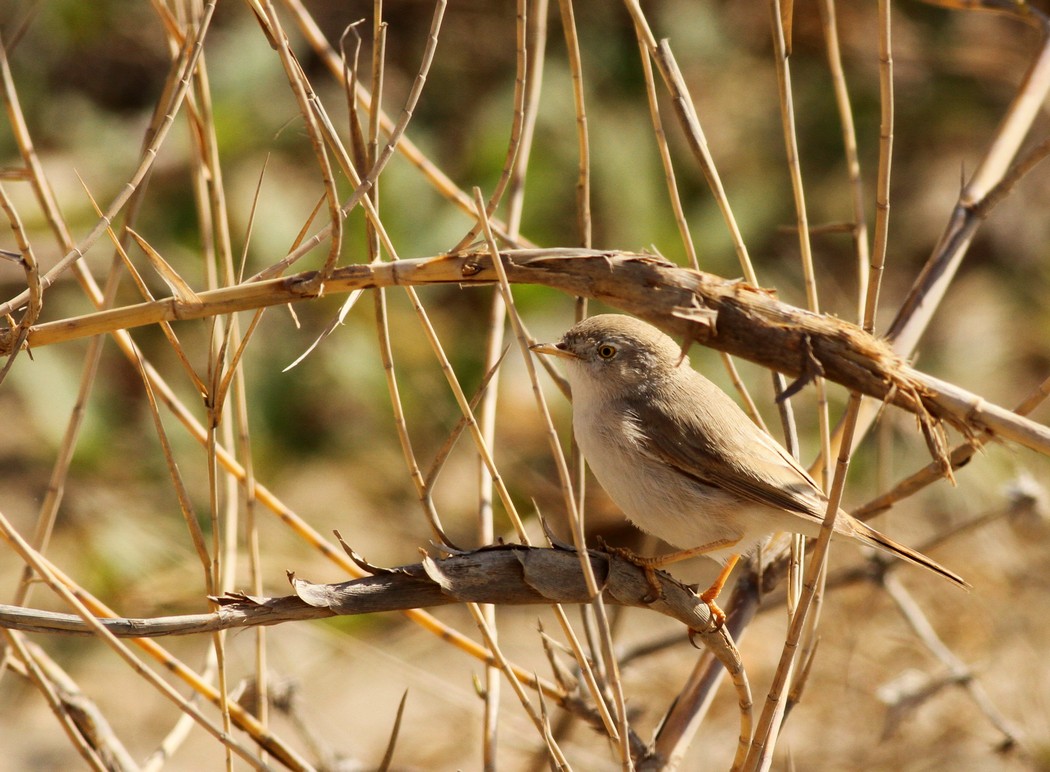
(680, 457)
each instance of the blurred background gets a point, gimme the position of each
(323, 439)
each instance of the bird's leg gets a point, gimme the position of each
(674, 557)
(709, 595)
(649, 566)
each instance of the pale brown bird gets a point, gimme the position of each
(680, 457)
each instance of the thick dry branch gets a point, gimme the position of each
(730, 316)
(508, 575)
(505, 575)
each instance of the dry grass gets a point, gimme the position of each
(197, 192)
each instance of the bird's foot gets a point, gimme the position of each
(648, 565)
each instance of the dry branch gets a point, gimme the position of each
(507, 575)
(727, 315)
(504, 575)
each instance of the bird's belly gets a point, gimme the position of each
(660, 500)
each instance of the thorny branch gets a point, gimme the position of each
(504, 574)
(730, 316)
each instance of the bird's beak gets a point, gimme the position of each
(552, 349)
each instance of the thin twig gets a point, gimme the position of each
(618, 730)
(760, 754)
(858, 228)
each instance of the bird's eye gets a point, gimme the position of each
(606, 351)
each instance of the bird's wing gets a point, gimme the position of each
(717, 444)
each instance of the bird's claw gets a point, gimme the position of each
(718, 617)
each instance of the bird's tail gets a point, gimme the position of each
(872, 537)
